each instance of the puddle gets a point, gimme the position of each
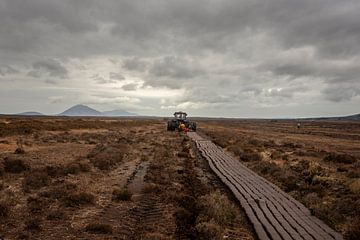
(137, 183)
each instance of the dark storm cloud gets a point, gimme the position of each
(229, 50)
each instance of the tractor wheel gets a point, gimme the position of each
(169, 126)
(193, 126)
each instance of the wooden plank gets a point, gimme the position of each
(263, 200)
(300, 217)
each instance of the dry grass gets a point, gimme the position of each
(33, 225)
(55, 215)
(121, 194)
(300, 162)
(12, 165)
(79, 199)
(4, 209)
(340, 158)
(19, 150)
(99, 228)
(35, 179)
(355, 186)
(215, 206)
(209, 231)
(104, 157)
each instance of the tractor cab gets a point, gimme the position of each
(180, 116)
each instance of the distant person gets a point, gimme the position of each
(183, 128)
(298, 125)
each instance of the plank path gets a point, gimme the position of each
(273, 213)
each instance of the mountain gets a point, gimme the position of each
(351, 117)
(118, 113)
(30, 114)
(80, 110)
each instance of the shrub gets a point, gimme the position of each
(33, 225)
(54, 171)
(121, 195)
(340, 158)
(352, 231)
(15, 165)
(79, 199)
(217, 207)
(36, 180)
(2, 171)
(151, 188)
(60, 192)
(105, 157)
(250, 156)
(208, 231)
(55, 215)
(355, 186)
(4, 209)
(183, 155)
(77, 167)
(19, 150)
(99, 228)
(35, 205)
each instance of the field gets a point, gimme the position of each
(92, 178)
(69, 178)
(317, 162)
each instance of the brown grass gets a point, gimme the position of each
(209, 231)
(79, 199)
(36, 179)
(19, 150)
(217, 207)
(104, 157)
(121, 195)
(4, 209)
(33, 225)
(353, 230)
(340, 158)
(15, 165)
(99, 228)
(55, 215)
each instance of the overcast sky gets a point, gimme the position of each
(234, 58)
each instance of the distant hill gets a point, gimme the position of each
(118, 113)
(80, 110)
(351, 117)
(30, 114)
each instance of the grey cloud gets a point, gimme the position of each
(116, 76)
(229, 51)
(7, 70)
(339, 93)
(49, 67)
(135, 64)
(130, 87)
(173, 72)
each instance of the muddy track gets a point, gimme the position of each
(273, 213)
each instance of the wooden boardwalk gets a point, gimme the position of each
(273, 213)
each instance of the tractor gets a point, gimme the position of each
(180, 118)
